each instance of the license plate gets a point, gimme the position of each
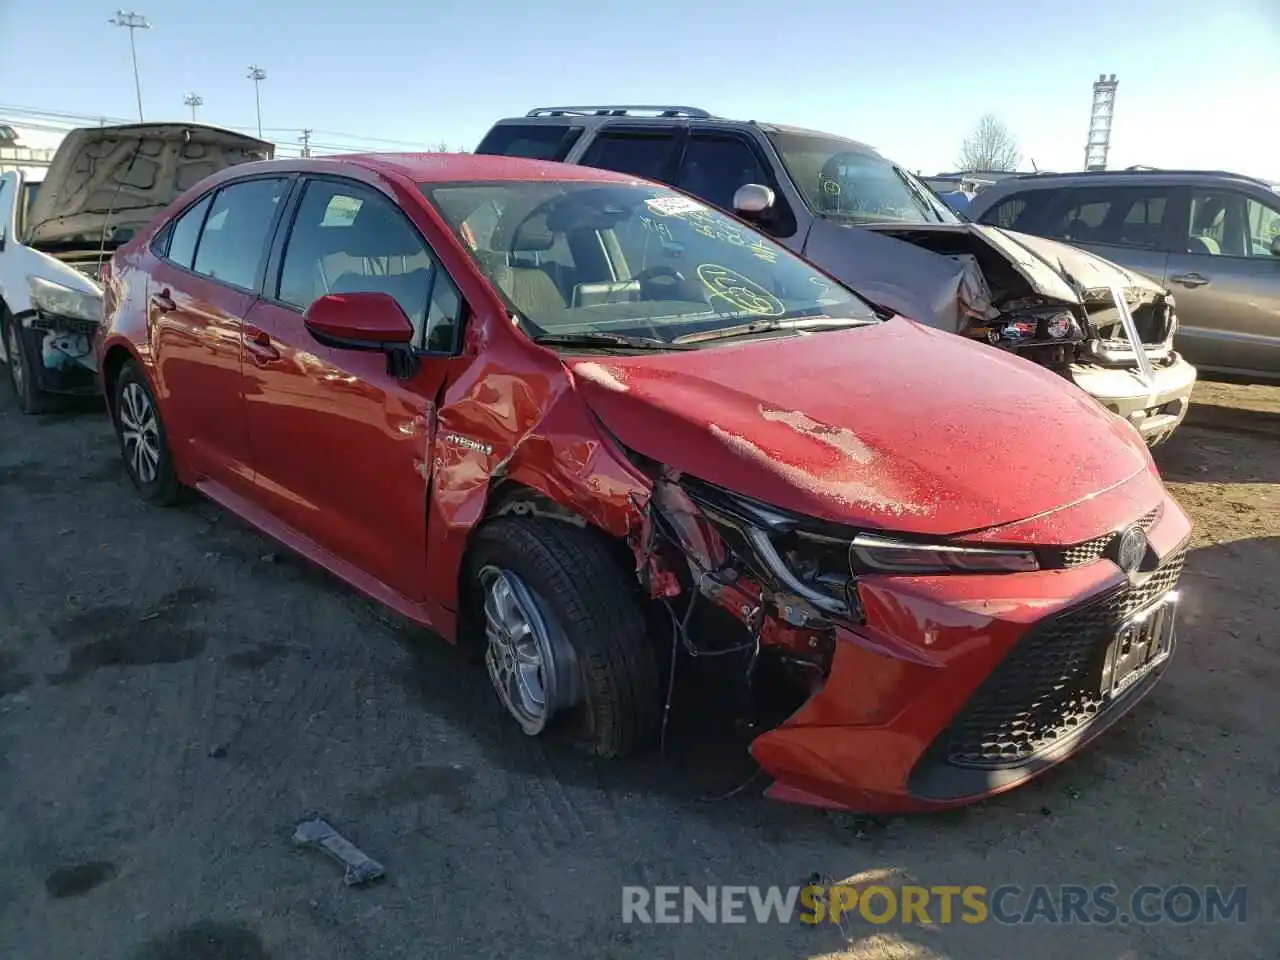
(1142, 643)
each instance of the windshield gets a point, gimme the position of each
(599, 259)
(844, 180)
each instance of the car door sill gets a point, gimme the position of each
(307, 548)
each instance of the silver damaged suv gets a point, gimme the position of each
(876, 227)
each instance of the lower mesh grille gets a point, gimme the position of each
(1048, 686)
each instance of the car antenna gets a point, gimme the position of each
(1034, 168)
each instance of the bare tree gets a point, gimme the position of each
(444, 146)
(990, 147)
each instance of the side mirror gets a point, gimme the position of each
(1275, 245)
(364, 321)
(752, 201)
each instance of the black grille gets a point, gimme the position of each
(1096, 549)
(1048, 686)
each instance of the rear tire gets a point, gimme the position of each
(583, 624)
(144, 445)
(22, 374)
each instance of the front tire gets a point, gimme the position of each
(564, 634)
(144, 444)
(22, 374)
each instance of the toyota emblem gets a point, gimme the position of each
(1131, 550)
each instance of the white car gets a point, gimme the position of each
(103, 184)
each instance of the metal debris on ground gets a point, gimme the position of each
(318, 834)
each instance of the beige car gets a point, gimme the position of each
(1211, 238)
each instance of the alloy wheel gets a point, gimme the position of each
(526, 658)
(140, 433)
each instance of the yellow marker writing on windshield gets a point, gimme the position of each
(740, 292)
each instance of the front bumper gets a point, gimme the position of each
(947, 670)
(1155, 409)
(60, 352)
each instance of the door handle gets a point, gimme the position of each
(1189, 279)
(163, 302)
(257, 344)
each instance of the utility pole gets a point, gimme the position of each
(257, 75)
(306, 142)
(133, 22)
(194, 101)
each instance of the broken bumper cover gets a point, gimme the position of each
(1154, 408)
(61, 349)
(959, 688)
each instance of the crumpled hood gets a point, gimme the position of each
(1088, 270)
(120, 177)
(894, 426)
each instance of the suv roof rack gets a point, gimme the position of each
(620, 110)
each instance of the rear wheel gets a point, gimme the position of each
(22, 374)
(564, 634)
(143, 442)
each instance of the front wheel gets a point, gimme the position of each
(564, 634)
(22, 374)
(144, 444)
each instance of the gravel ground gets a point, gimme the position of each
(174, 697)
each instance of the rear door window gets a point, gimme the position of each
(1121, 216)
(181, 246)
(642, 153)
(534, 141)
(233, 243)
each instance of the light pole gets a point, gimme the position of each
(133, 22)
(257, 75)
(194, 101)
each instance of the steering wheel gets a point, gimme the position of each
(658, 281)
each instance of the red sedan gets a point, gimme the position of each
(601, 428)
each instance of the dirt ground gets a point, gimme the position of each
(175, 696)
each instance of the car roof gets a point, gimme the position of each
(1151, 175)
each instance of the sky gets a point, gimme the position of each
(1199, 82)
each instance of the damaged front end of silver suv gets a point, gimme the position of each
(1104, 328)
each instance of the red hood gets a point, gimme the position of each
(894, 426)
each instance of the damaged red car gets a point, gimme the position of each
(593, 424)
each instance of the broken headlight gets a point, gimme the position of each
(818, 561)
(62, 301)
(876, 554)
(1060, 326)
(775, 546)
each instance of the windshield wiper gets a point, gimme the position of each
(597, 339)
(919, 195)
(774, 323)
